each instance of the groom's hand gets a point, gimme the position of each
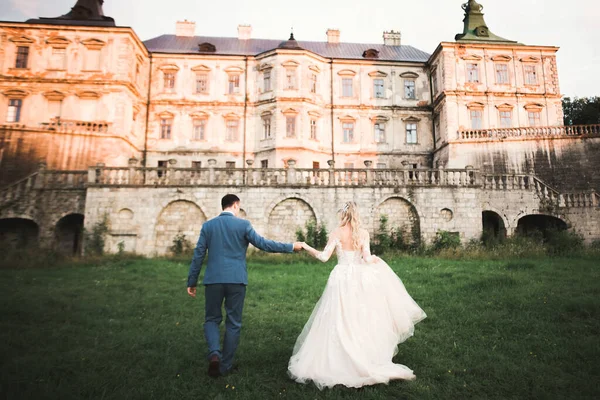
(297, 246)
(191, 291)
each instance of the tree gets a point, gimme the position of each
(581, 111)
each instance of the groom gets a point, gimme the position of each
(226, 239)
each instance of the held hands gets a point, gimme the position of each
(299, 246)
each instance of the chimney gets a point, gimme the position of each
(244, 32)
(333, 35)
(391, 38)
(185, 28)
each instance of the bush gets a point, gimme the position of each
(96, 239)
(180, 245)
(315, 236)
(445, 240)
(561, 243)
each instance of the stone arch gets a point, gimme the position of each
(68, 234)
(18, 233)
(281, 198)
(401, 214)
(533, 224)
(287, 216)
(178, 217)
(493, 226)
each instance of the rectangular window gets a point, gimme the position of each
(14, 110)
(316, 165)
(534, 118)
(230, 164)
(348, 128)
(266, 127)
(409, 89)
(200, 129)
(22, 57)
(58, 59)
(290, 126)
(346, 87)
(473, 73)
(313, 129)
(166, 126)
(162, 165)
(93, 60)
(380, 132)
(505, 119)
(381, 166)
(169, 82)
(137, 74)
(378, 88)
(233, 84)
(264, 163)
(267, 81)
(476, 122)
(202, 83)
(196, 164)
(290, 78)
(502, 74)
(411, 133)
(231, 134)
(530, 75)
(434, 82)
(313, 83)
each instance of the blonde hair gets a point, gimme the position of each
(349, 216)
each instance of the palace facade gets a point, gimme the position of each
(79, 92)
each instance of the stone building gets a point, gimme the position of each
(151, 133)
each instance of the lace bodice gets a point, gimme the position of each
(361, 256)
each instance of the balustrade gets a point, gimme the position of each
(532, 131)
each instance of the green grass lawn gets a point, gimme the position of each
(126, 329)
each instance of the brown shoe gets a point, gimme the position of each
(214, 366)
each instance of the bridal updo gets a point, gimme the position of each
(349, 216)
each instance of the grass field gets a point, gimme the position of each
(125, 329)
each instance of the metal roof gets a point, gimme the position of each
(252, 47)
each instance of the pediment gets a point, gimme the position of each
(169, 68)
(15, 93)
(54, 95)
(475, 105)
(93, 44)
(377, 74)
(505, 107)
(199, 115)
(290, 64)
(533, 106)
(472, 57)
(347, 118)
(201, 68)
(346, 72)
(234, 69)
(290, 111)
(409, 74)
(22, 40)
(58, 41)
(166, 115)
(88, 94)
(530, 59)
(502, 58)
(231, 116)
(411, 118)
(314, 114)
(265, 66)
(314, 68)
(380, 118)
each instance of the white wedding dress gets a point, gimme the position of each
(355, 327)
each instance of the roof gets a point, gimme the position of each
(251, 47)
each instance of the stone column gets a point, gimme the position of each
(211, 171)
(331, 164)
(405, 172)
(291, 173)
(132, 165)
(249, 176)
(368, 165)
(470, 178)
(171, 174)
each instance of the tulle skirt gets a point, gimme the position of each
(355, 328)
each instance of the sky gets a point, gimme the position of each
(571, 25)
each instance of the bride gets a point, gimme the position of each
(363, 314)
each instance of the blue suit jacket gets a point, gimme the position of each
(226, 239)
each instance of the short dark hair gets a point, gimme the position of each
(228, 200)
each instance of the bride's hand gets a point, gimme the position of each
(304, 245)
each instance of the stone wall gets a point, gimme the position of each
(566, 164)
(276, 212)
